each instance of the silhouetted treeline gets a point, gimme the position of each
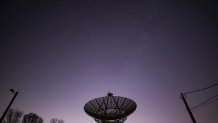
(55, 120)
(16, 116)
(32, 118)
(13, 116)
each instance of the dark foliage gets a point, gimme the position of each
(13, 116)
(55, 120)
(32, 118)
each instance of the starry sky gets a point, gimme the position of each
(59, 54)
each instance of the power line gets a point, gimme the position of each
(212, 101)
(201, 89)
(209, 103)
(205, 102)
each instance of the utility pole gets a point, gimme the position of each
(188, 109)
(12, 100)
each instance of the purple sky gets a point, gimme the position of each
(59, 54)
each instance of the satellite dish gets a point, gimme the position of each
(110, 109)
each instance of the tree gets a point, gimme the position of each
(55, 120)
(32, 118)
(13, 116)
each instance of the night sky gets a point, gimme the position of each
(59, 54)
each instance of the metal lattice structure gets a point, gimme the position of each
(110, 109)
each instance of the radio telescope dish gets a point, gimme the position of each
(110, 109)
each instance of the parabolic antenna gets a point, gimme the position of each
(110, 109)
